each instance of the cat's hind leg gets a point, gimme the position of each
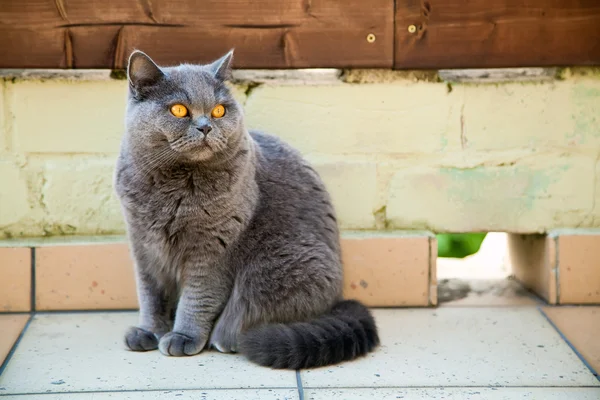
(225, 334)
(278, 290)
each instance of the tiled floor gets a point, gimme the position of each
(470, 351)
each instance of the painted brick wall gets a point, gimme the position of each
(397, 150)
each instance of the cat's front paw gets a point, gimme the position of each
(138, 339)
(178, 345)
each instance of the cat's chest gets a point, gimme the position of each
(177, 217)
(160, 208)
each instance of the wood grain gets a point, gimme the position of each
(266, 34)
(496, 33)
(302, 33)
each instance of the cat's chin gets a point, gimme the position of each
(201, 154)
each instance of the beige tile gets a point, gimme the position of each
(84, 352)
(581, 326)
(15, 279)
(579, 269)
(474, 393)
(11, 326)
(234, 394)
(483, 292)
(533, 260)
(454, 346)
(80, 277)
(387, 269)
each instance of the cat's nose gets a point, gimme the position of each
(204, 128)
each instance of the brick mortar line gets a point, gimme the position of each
(33, 281)
(314, 75)
(556, 269)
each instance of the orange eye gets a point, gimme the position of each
(179, 110)
(218, 111)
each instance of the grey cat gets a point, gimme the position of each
(234, 237)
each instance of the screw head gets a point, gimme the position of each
(371, 38)
(412, 28)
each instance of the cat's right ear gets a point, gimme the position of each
(142, 71)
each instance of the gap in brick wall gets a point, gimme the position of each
(483, 278)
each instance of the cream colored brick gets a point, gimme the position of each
(3, 119)
(238, 91)
(352, 186)
(594, 219)
(369, 118)
(524, 162)
(68, 116)
(531, 195)
(78, 196)
(13, 194)
(537, 116)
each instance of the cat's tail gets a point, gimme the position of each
(348, 331)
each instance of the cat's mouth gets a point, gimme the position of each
(196, 147)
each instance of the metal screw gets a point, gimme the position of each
(412, 28)
(371, 38)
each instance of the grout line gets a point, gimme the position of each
(14, 346)
(94, 311)
(289, 388)
(146, 390)
(299, 384)
(568, 342)
(482, 386)
(33, 289)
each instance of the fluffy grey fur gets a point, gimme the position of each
(234, 237)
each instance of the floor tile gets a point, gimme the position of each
(461, 347)
(11, 326)
(454, 393)
(483, 292)
(581, 326)
(84, 352)
(228, 394)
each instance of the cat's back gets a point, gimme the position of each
(293, 198)
(279, 162)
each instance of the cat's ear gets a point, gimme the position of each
(221, 68)
(142, 71)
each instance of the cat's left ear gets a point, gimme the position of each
(221, 68)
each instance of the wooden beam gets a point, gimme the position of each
(496, 33)
(266, 34)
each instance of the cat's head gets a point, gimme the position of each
(185, 110)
